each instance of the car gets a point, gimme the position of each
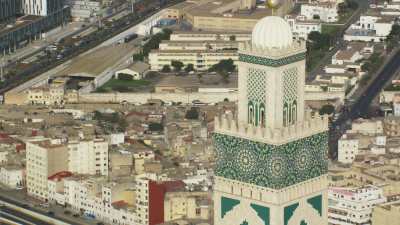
(19, 188)
(76, 215)
(44, 205)
(50, 213)
(67, 212)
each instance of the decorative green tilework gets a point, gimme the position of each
(271, 62)
(262, 212)
(256, 86)
(316, 203)
(271, 166)
(244, 223)
(288, 212)
(303, 222)
(227, 205)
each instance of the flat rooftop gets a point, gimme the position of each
(94, 63)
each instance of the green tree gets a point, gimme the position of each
(189, 67)
(232, 38)
(166, 69)
(192, 114)
(177, 65)
(156, 127)
(124, 76)
(326, 109)
(225, 64)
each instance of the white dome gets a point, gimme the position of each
(272, 32)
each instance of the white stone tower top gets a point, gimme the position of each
(272, 32)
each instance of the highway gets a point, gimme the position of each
(361, 104)
(20, 217)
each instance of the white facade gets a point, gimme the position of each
(142, 198)
(202, 60)
(349, 206)
(92, 196)
(43, 159)
(88, 157)
(369, 28)
(12, 176)
(52, 95)
(35, 7)
(302, 28)
(85, 9)
(204, 36)
(347, 149)
(326, 12)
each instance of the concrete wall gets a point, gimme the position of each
(143, 97)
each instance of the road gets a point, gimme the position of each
(19, 217)
(338, 41)
(19, 198)
(361, 104)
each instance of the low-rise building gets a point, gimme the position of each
(12, 176)
(371, 27)
(349, 206)
(302, 27)
(186, 205)
(388, 213)
(137, 70)
(326, 11)
(347, 148)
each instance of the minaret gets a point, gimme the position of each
(272, 159)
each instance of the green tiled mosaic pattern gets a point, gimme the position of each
(290, 90)
(271, 62)
(269, 165)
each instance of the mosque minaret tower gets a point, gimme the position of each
(271, 164)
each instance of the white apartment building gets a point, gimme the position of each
(88, 157)
(301, 27)
(370, 28)
(142, 198)
(35, 7)
(202, 60)
(347, 148)
(212, 36)
(396, 105)
(94, 196)
(198, 45)
(12, 176)
(349, 206)
(326, 12)
(43, 159)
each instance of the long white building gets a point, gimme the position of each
(348, 206)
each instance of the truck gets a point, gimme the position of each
(130, 37)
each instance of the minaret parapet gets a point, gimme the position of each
(227, 124)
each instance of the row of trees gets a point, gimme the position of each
(222, 68)
(152, 43)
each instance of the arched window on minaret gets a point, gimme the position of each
(251, 113)
(262, 115)
(294, 112)
(285, 114)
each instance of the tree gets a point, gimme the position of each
(232, 38)
(124, 76)
(177, 65)
(192, 114)
(166, 69)
(156, 127)
(189, 67)
(225, 64)
(326, 109)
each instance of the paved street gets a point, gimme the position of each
(338, 40)
(20, 197)
(362, 103)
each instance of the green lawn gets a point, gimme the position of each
(122, 85)
(392, 88)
